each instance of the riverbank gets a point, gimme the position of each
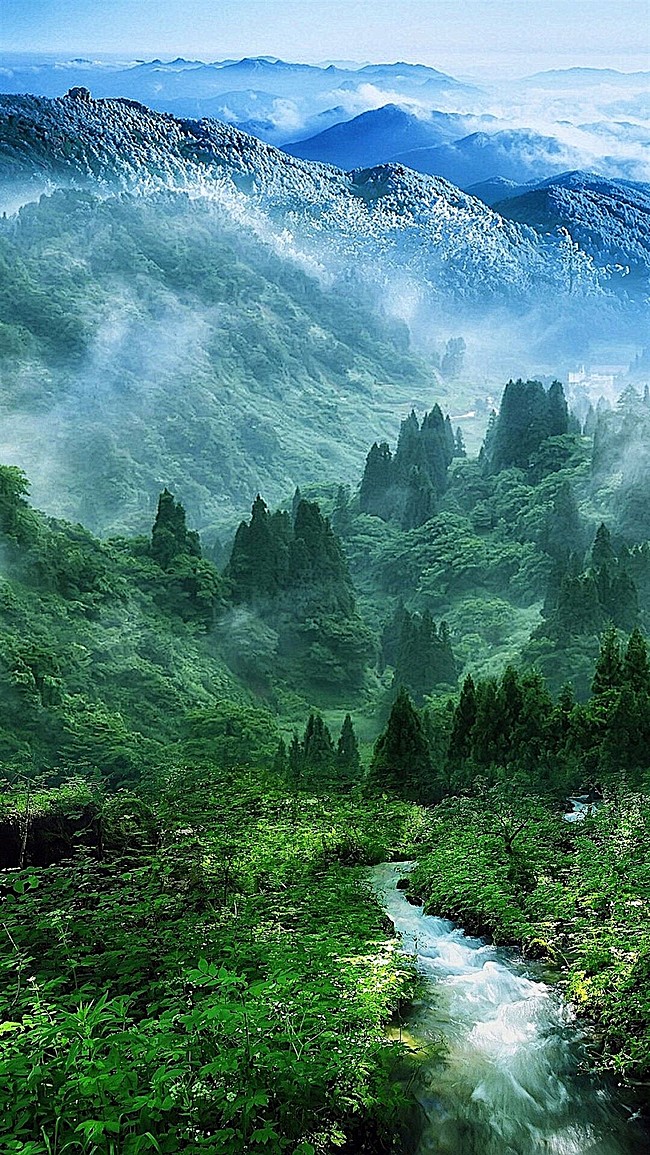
(498, 1062)
(576, 895)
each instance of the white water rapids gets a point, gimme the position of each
(510, 1080)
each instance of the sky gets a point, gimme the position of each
(461, 36)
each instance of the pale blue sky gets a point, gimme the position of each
(456, 35)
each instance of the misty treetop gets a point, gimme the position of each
(406, 486)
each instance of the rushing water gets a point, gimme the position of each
(510, 1082)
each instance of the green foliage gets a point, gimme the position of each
(401, 762)
(576, 894)
(406, 487)
(528, 416)
(148, 337)
(295, 577)
(226, 993)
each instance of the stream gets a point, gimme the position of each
(511, 1081)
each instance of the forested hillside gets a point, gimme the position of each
(201, 753)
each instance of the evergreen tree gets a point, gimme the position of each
(317, 745)
(170, 537)
(391, 635)
(557, 411)
(437, 447)
(453, 358)
(563, 529)
(602, 553)
(316, 559)
(258, 566)
(424, 658)
(450, 440)
(609, 668)
(420, 501)
(460, 742)
(401, 762)
(486, 733)
(527, 417)
(636, 668)
(459, 443)
(347, 751)
(377, 480)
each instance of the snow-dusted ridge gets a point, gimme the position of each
(375, 223)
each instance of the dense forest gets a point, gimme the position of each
(205, 743)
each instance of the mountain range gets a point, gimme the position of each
(600, 114)
(187, 305)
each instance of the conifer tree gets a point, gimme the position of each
(460, 742)
(377, 480)
(347, 751)
(609, 668)
(408, 454)
(258, 566)
(170, 537)
(557, 411)
(317, 745)
(401, 762)
(636, 668)
(420, 502)
(602, 553)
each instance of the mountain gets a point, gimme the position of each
(291, 97)
(519, 155)
(495, 190)
(377, 136)
(91, 142)
(554, 77)
(190, 306)
(609, 219)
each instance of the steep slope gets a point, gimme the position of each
(368, 225)
(609, 219)
(190, 306)
(174, 349)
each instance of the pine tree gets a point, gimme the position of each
(401, 762)
(602, 553)
(378, 477)
(347, 751)
(527, 417)
(391, 635)
(609, 668)
(420, 502)
(259, 561)
(557, 411)
(460, 742)
(459, 443)
(170, 537)
(636, 668)
(453, 358)
(437, 447)
(317, 745)
(408, 454)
